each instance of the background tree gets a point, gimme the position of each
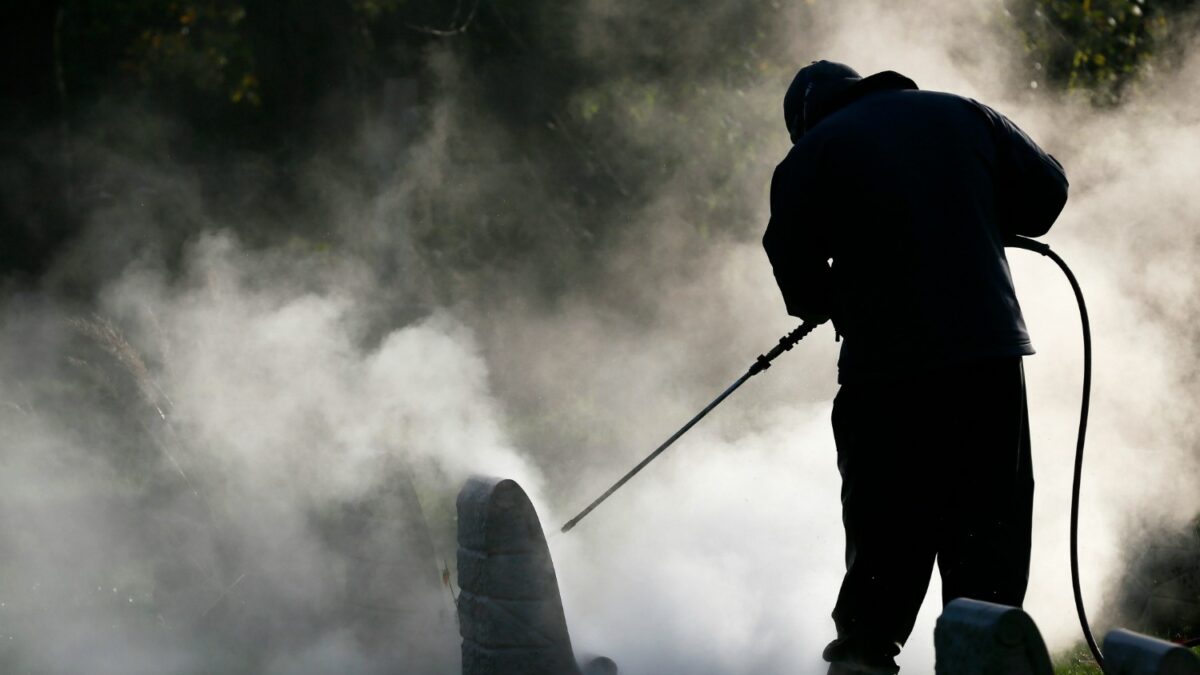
(1099, 48)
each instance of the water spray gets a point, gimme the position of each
(788, 341)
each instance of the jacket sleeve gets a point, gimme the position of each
(797, 251)
(1032, 184)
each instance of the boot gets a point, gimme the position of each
(848, 656)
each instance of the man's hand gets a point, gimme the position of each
(812, 317)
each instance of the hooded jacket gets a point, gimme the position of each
(889, 215)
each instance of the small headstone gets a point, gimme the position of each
(1129, 653)
(981, 638)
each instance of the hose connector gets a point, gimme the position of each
(785, 343)
(1027, 244)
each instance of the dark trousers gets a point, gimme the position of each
(935, 466)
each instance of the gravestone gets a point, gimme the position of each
(982, 638)
(1128, 653)
(510, 611)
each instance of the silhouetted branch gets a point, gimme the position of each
(453, 30)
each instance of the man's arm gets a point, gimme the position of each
(798, 253)
(1033, 185)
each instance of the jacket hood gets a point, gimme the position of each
(823, 87)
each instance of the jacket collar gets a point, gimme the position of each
(823, 101)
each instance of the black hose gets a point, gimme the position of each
(1043, 249)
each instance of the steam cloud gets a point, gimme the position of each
(246, 462)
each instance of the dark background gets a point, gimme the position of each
(262, 86)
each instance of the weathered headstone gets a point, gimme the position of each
(510, 612)
(1128, 653)
(982, 638)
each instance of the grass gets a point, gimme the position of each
(1078, 661)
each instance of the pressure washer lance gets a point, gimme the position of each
(760, 364)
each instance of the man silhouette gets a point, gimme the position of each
(889, 216)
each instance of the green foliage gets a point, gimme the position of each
(199, 44)
(1078, 661)
(156, 45)
(1096, 47)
